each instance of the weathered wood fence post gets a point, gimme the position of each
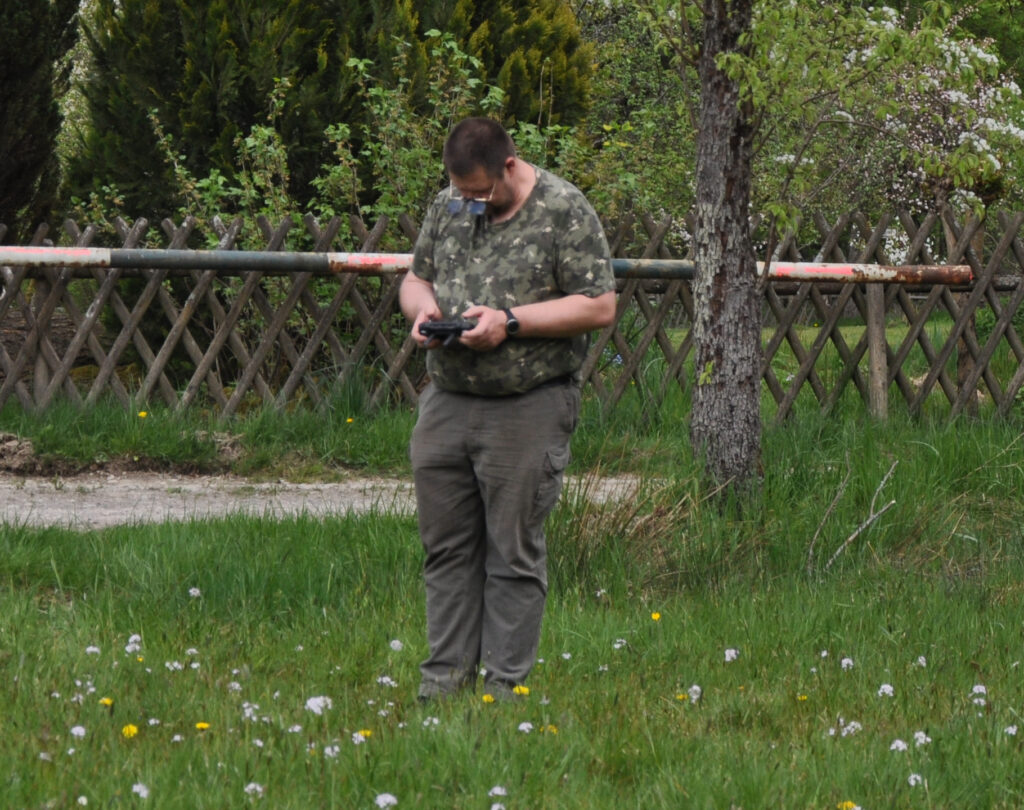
(878, 347)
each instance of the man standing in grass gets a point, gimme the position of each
(522, 254)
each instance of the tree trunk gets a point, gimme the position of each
(725, 427)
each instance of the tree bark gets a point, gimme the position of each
(725, 426)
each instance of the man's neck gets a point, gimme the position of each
(524, 178)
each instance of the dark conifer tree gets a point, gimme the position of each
(206, 70)
(35, 37)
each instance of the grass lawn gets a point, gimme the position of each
(792, 654)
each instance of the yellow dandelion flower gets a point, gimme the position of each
(520, 690)
(656, 616)
(105, 701)
(201, 726)
(349, 421)
(365, 732)
(682, 696)
(847, 805)
(488, 698)
(143, 414)
(551, 729)
(801, 698)
(129, 731)
(139, 658)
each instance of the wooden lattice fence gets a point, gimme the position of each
(232, 340)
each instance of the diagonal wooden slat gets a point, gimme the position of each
(971, 304)
(295, 344)
(12, 293)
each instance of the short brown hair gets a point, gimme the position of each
(477, 142)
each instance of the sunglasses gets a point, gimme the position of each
(475, 205)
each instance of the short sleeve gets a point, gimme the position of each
(423, 251)
(584, 264)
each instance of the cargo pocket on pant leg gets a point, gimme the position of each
(551, 485)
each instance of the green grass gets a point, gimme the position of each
(927, 600)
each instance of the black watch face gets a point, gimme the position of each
(511, 325)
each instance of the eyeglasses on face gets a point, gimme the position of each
(475, 205)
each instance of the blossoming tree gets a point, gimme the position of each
(823, 93)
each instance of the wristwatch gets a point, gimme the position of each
(512, 324)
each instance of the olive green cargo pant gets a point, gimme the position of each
(487, 471)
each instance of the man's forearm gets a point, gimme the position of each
(415, 295)
(566, 317)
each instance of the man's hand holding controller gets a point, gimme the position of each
(447, 331)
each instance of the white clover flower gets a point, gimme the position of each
(358, 738)
(177, 738)
(92, 649)
(824, 653)
(396, 645)
(174, 666)
(254, 789)
(257, 742)
(385, 800)
(497, 806)
(731, 654)
(332, 751)
(695, 693)
(195, 593)
(497, 790)
(191, 651)
(45, 756)
(851, 728)
(914, 779)
(526, 727)
(431, 721)
(234, 686)
(619, 644)
(1011, 730)
(886, 690)
(81, 801)
(898, 745)
(319, 704)
(920, 738)
(979, 689)
(921, 661)
(78, 732)
(153, 721)
(567, 655)
(385, 680)
(140, 790)
(846, 663)
(295, 729)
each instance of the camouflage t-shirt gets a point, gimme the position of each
(552, 247)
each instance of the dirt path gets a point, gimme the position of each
(99, 499)
(96, 500)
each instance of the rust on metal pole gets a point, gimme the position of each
(862, 273)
